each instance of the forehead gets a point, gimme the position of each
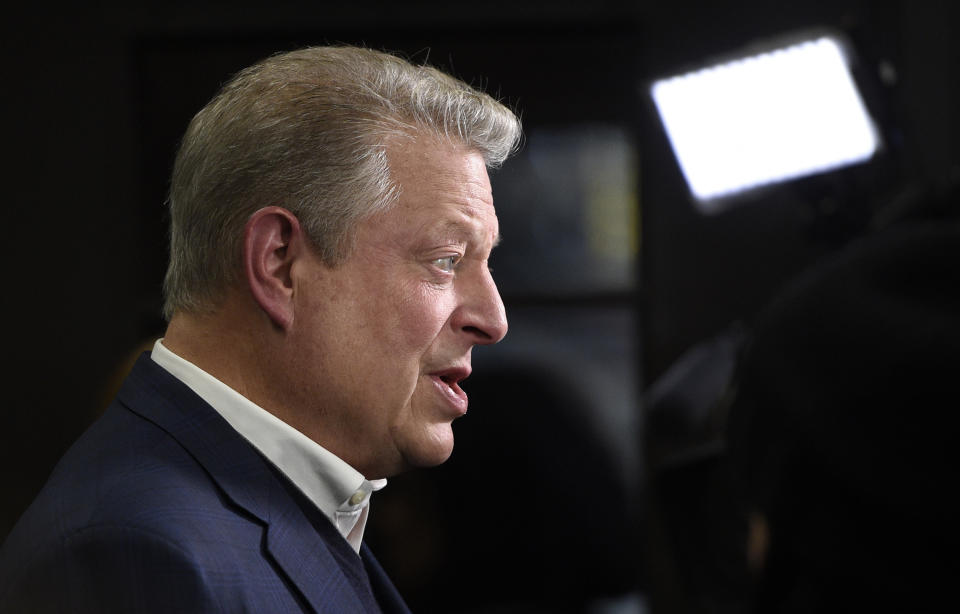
(444, 186)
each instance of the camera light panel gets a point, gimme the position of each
(767, 118)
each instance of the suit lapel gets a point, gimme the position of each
(245, 477)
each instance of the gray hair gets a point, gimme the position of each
(307, 131)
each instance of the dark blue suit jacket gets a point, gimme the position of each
(162, 507)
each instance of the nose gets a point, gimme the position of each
(481, 315)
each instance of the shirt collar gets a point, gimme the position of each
(338, 490)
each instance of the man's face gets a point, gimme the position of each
(384, 338)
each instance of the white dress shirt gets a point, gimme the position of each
(338, 490)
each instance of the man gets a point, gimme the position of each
(331, 224)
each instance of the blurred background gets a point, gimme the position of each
(576, 484)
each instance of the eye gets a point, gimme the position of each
(447, 264)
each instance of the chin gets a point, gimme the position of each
(433, 450)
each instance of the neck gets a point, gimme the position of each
(229, 345)
(241, 347)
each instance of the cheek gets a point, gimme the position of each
(422, 315)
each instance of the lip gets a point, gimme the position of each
(447, 383)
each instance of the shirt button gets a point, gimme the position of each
(356, 498)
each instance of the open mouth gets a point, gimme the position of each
(448, 381)
(453, 375)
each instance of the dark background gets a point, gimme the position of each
(540, 499)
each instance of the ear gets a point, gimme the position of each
(267, 258)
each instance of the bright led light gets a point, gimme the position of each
(779, 115)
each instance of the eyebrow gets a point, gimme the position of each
(458, 228)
